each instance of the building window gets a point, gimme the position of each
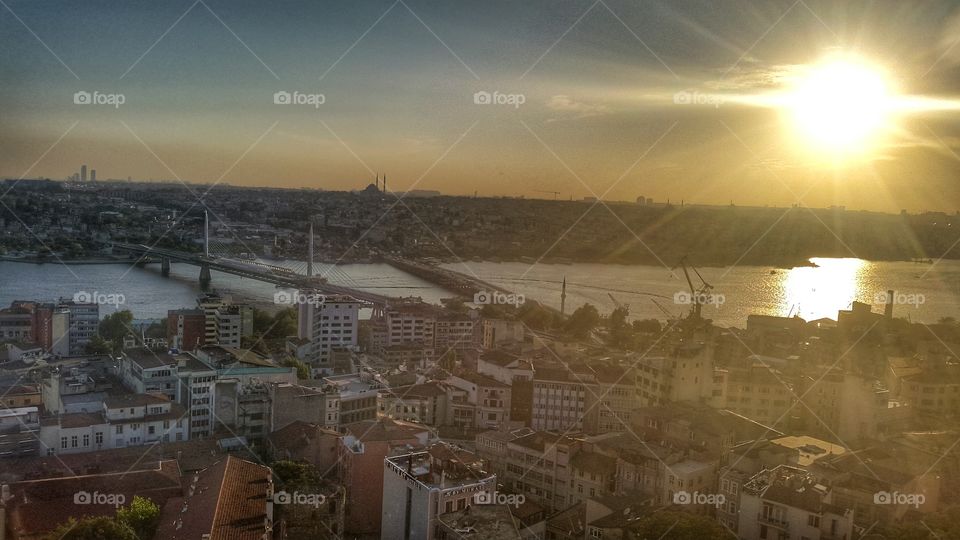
(98, 438)
(63, 442)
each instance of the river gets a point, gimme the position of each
(925, 292)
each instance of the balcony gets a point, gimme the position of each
(773, 521)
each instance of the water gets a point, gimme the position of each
(925, 292)
(149, 295)
(813, 292)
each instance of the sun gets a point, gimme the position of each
(841, 106)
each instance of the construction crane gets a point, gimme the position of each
(670, 316)
(617, 302)
(696, 295)
(556, 194)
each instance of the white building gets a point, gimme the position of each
(789, 502)
(126, 420)
(418, 487)
(328, 323)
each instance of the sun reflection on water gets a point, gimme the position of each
(820, 291)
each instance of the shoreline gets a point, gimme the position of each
(778, 266)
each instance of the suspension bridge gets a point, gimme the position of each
(281, 276)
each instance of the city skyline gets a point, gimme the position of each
(600, 99)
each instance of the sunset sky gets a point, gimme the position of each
(599, 82)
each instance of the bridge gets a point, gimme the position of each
(252, 269)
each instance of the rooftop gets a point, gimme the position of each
(225, 501)
(482, 521)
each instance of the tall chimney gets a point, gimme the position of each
(888, 309)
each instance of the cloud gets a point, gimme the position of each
(573, 109)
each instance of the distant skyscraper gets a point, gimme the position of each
(93, 175)
(83, 173)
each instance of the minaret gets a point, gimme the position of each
(378, 182)
(310, 254)
(384, 183)
(206, 234)
(563, 296)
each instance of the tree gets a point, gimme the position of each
(620, 330)
(98, 345)
(647, 326)
(114, 327)
(92, 528)
(303, 372)
(455, 305)
(536, 316)
(142, 516)
(583, 321)
(293, 473)
(679, 526)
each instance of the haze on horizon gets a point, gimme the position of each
(599, 79)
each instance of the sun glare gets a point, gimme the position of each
(840, 106)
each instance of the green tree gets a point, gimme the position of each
(303, 372)
(114, 327)
(620, 329)
(536, 316)
(647, 326)
(92, 528)
(142, 516)
(679, 526)
(454, 304)
(583, 321)
(98, 345)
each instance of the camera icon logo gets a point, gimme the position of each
(683, 98)
(282, 297)
(882, 497)
(482, 98)
(282, 497)
(83, 297)
(681, 497)
(482, 297)
(82, 98)
(82, 497)
(282, 98)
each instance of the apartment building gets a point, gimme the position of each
(477, 401)
(329, 323)
(124, 420)
(423, 485)
(789, 502)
